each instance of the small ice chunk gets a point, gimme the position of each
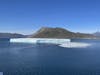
(75, 45)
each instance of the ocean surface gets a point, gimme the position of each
(49, 59)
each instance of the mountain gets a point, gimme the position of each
(47, 32)
(97, 34)
(11, 35)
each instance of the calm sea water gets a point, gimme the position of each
(48, 59)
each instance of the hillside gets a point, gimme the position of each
(11, 35)
(47, 32)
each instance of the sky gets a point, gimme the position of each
(27, 16)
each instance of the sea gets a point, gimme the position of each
(49, 59)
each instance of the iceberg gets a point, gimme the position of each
(39, 40)
(22, 40)
(75, 45)
(60, 42)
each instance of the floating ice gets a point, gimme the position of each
(63, 42)
(39, 40)
(75, 45)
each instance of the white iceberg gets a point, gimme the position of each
(63, 42)
(75, 45)
(39, 40)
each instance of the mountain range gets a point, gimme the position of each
(49, 32)
(12, 35)
(96, 34)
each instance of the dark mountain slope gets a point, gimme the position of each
(47, 32)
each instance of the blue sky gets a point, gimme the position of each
(26, 16)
